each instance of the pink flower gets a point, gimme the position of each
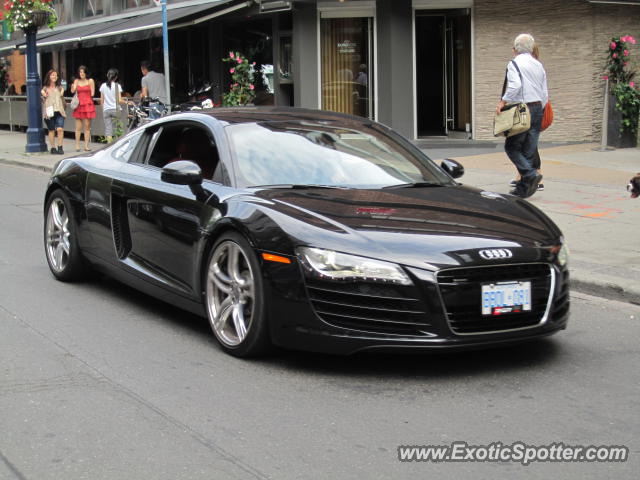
(632, 84)
(615, 55)
(626, 53)
(254, 64)
(251, 87)
(605, 77)
(239, 60)
(614, 45)
(231, 55)
(232, 70)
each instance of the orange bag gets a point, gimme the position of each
(547, 116)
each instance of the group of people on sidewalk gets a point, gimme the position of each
(526, 82)
(83, 106)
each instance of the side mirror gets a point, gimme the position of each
(452, 167)
(182, 172)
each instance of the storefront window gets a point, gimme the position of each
(347, 78)
(93, 8)
(138, 3)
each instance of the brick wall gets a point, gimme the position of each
(573, 37)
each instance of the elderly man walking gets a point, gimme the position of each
(526, 82)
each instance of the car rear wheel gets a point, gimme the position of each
(234, 297)
(60, 240)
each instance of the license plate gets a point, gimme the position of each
(506, 297)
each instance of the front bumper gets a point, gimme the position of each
(345, 318)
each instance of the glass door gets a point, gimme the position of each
(347, 65)
(443, 72)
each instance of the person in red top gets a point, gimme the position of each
(86, 89)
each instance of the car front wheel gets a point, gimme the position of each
(234, 297)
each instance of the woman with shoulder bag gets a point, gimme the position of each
(86, 111)
(53, 110)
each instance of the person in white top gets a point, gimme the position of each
(110, 99)
(527, 83)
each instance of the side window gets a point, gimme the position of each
(186, 141)
(125, 148)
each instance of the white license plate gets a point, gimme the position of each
(507, 297)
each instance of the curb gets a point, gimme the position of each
(610, 291)
(19, 163)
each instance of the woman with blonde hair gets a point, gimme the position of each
(85, 88)
(53, 110)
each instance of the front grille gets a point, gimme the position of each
(461, 290)
(370, 307)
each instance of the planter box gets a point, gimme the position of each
(614, 137)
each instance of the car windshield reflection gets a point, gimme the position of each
(304, 153)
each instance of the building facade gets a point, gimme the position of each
(429, 68)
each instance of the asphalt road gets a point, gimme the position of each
(98, 381)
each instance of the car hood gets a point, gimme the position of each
(424, 226)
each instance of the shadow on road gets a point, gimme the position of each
(514, 359)
(517, 358)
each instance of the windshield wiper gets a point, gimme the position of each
(415, 185)
(299, 186)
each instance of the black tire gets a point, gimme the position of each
(61, 241)
(234, 297)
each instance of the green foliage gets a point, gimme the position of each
(19, 13)
(241, 89)
(118, 131)
(623, 88)
(628, 103)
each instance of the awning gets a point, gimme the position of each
(6, 46)
(121, 29)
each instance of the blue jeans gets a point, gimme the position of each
(521, 148)
(55, 122)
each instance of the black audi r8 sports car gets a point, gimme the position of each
(307, 230)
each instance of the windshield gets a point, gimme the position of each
(305, 153)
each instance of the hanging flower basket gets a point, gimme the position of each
(28, 14)
(40, 18)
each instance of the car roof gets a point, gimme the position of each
(236, 115)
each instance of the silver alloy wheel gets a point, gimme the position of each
(58, 235)
(230, 293)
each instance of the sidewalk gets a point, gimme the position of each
(585, 194)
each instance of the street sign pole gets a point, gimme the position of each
(165, 53)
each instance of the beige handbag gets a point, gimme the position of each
(514, 118)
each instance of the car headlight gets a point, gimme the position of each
(341, 266)
(562, 254)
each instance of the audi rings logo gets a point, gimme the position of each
(496, 253)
